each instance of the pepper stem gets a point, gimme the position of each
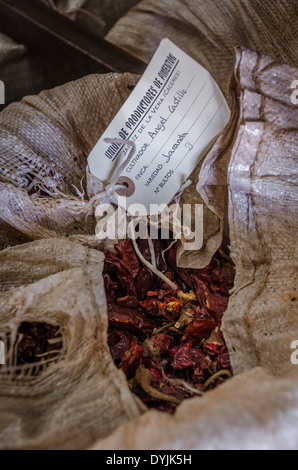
(216, 376)
(144, 377)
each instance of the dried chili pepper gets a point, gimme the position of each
(132, 357)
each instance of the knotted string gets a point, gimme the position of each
(152, 267)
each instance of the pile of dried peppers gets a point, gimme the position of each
(168, 343)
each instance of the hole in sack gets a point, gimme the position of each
(36, 345)
(168, 343)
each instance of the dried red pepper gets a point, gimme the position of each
(35, 343)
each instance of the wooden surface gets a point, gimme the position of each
(61, 41)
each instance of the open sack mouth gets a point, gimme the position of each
(168, 343)
(93, 324)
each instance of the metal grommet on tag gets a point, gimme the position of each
(130, 187)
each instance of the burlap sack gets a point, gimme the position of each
(209, 30)
(26, 264)
(261, 147)
(255, 409)
(9, 236)
(44, 144)
(81, 396)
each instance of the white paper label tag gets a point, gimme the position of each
(173, 115)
